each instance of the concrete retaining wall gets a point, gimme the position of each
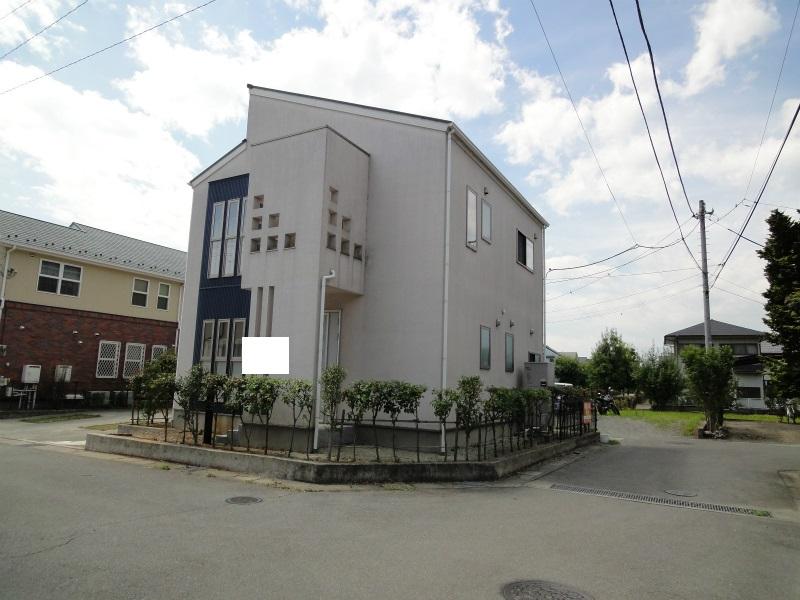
(314, 472)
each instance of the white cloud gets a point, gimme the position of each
(29, 19)
(403, 54)
(102, 164)
(724, 29)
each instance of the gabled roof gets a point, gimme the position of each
(89, 244)
(718, 328)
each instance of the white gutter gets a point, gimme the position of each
(446, 278)
(180, 314)
(5, 278)
(322, 284)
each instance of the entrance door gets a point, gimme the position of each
(331, 328)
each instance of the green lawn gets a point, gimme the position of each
(686, 422)
(55, 418)
(757, 417)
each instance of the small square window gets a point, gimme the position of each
(274, 219)
(257, 223)
(272, 242)
(346, 247)
(255, 245)
(346, 224)
(258, 201)
(334, 196)
(331, 241)
(139, 293)
(357, 252)
(332, 217)
(289, 240)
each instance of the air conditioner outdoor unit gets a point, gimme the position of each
(62, 373)
(31, 373)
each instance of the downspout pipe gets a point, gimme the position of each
(317, 401)
(5, 278)
(446, 278)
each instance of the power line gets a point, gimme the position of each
(722, 289)
(585, 133)
(741, 287)
(758, 198)
(772, 101)
(109, 47)
(649, 133)
(8, 14)
(554, 281)
(43, 29)
(661, 103)
(718, 224)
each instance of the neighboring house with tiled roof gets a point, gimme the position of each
(747, 346)
(81, 300)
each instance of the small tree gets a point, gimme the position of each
(357, 399)
(260, 397)
(233, 395)
(613, 363)
(410, 396)
(190, 389)
(214, 391)
(468, 406)
(710, 380)
(149, 387)
(660, 379)
(331, 387)
(570, 370)
(298, 395)
(442, 404)
(379, 396)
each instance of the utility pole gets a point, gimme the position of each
(704, 268)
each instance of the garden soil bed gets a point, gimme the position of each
(763, 431)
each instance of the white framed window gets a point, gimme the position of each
(486, 221)
(207, 345)
(231, 237)
(139, 292)
(472, 219)
(215, 239)
(59, 278)
(163, 296)
(486, 348)
(157, 350)
(524, 251)
(221, 347)
(236, 346)
(107, 360)
(134, 359)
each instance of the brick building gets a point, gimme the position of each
(86, 305)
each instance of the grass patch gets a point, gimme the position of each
(56, 418)
(163, 467)
(760, 417)
(684, 422)
(102, 426)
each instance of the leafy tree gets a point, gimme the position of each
(380, 392)
(468, 406)
(261, 394)
(613, 363)
(782, 255)
(710, 379)
(570, 370)
(660, 378)
(331, 387)
(357, 400)
(189, 387)
(442, 404)
(410, 395)
(232, 395)
(151, 387)
(298, 395)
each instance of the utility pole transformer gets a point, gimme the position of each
(704, 268)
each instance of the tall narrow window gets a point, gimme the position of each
(486, 348)
(163, 296)
(134, 360)
(486, 221)
(107, 360)
(472, 219)
(524, 251)
(215, 239)
(207, 345)
(221, 352)
(236, 347)
(139, 293)
(509, 353)
(231, 235)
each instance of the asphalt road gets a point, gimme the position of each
(75, 524)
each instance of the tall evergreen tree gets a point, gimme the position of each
(782, 255)
(613, 363)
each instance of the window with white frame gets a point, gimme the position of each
(221, 349)
(215, 239)
(207, 345)
(134, 359)
(486, 221)
(486, 348)
(524, 251)
(139, 292)
(472, 219)
(157, 350)
(236, 347)
(59, 278)
(163, 296)
(107, 360)
(231, 237)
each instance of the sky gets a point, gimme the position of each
(113, 140)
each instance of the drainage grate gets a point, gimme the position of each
(541, 590)
(243, 500)
(724, 508)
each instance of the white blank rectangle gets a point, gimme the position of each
(265, 356)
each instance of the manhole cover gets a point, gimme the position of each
(542, 590)
(243, 500)
(683, 493)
